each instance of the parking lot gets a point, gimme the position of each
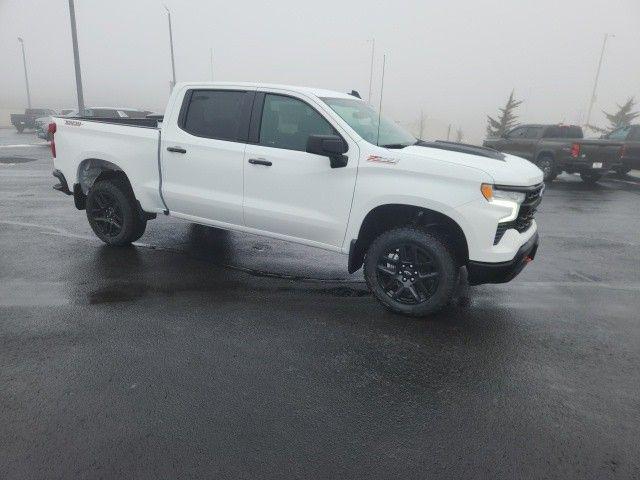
(205, 353)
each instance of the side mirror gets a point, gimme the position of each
(330, 146)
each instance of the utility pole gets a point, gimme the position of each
(384, 62)
(173, 62)
(373, 50)
(595, 83)
(76, 57)
(421, 125)
(26, 77)
(449, 132)
(211, 58)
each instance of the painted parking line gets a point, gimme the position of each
(24, 145)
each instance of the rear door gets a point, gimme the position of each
(289, 192)
(202, 155)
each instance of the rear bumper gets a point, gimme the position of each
(482, 272)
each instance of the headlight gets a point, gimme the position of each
(504, 198)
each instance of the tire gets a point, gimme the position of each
(20, 129)
(622, 171)
(113, 213)
(547, 164)
(410, 271)
(590, 178)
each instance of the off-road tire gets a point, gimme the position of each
(547, 164)
(442, 287)
(125, 223)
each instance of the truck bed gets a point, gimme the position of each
(130, 145)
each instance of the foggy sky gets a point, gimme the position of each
(456, 60)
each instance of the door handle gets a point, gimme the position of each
(260, 161)
(176, 149)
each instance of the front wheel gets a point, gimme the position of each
(410, 271)
(547, 164)
(113, 213)
(590, 178)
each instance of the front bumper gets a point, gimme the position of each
(502, 272)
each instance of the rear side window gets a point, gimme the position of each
(635, 134)
(533, 132)
(214, 114)
(562, 131)
(620, 134)
(287, 123)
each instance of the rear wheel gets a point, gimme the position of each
(410, 271)
(113, 213)
(590, 178)
(20, 128)
(547, 164)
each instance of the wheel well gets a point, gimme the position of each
(387, 217)
(89, 172)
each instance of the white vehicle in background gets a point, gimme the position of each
(314, 167)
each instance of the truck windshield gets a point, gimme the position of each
(364, 120)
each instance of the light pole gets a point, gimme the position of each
(26, 77)
(173, 62)
(76, 57)
(595, 83)
(211, 57)
(373, 49)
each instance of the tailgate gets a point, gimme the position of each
(600, 151)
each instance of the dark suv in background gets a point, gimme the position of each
(559, 148)
(630, 153)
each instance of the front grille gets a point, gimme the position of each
(523, 221)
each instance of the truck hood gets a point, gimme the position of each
(503, 168)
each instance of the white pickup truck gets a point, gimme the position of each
(310, 166)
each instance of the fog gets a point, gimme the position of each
(457, 61)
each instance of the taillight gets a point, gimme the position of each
(575, 150)
(52, 130)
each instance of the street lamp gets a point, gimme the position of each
(595, 83)
(76, 57)
(26, 77)
(173, 62)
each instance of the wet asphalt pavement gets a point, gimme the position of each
(200, 353)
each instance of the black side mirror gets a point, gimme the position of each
(331, 146)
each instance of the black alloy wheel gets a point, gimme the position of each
(407, 273)
(107, 215)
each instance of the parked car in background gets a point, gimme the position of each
(559, 148)
(42, 123)
(315, 167)
(26, 120)
(630, 152)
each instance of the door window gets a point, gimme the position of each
(214, 114)
(287, 123)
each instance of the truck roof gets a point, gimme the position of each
(317, 92)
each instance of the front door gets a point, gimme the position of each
(203, 154)
(287, 191)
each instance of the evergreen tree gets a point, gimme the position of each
(624, 116)
(506, 120)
